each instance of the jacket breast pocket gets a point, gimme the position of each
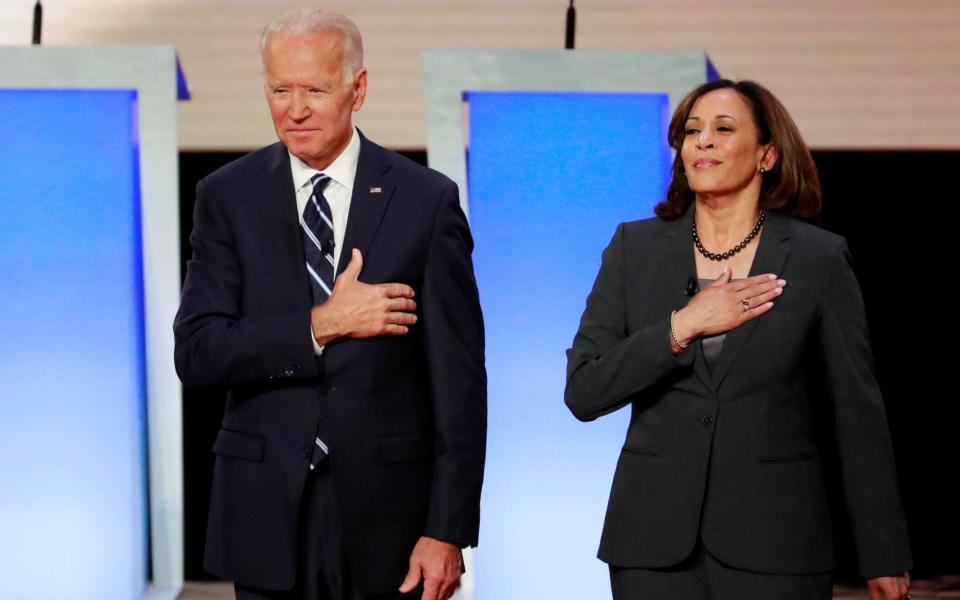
(398, 449)
(640, 451)
(237, 444)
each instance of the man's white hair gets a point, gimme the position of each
(313, 20)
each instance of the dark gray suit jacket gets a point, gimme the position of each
(729, 456)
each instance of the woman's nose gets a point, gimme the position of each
(705, 139)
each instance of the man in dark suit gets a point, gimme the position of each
(331, 289)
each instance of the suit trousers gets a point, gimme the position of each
(322, 571)
(703, 577)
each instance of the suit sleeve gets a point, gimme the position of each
(607, 365)
(863, 438)
(215, 344)
(454, 344)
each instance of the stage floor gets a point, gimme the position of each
(942, 588)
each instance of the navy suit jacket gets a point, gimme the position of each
(404, 417)
(728, 455)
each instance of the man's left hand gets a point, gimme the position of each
(889, 588)
(439, 564)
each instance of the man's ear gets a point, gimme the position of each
(359, 88)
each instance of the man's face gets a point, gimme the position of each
(309, 101)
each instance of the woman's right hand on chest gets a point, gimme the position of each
(726, 304)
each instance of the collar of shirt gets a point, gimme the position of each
(343, 169)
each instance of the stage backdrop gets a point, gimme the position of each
(72, 398)
(855, 74)
(550, 177)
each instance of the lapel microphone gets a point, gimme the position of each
(693, 286)
(327, 246)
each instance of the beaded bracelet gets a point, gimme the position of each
(673, 334)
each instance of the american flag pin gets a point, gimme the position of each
(376, 190)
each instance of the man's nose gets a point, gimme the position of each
(299, 107)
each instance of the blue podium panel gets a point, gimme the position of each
(72, 430)
(550, 177)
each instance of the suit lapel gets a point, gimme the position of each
(771, 255)
(678, 259)
(372, 191)
(281, 221)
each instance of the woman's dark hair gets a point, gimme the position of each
(791, 187)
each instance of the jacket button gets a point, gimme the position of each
(707, 421)
(305, 451)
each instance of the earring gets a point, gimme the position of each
(761, 170)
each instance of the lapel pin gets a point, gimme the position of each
(376, 190)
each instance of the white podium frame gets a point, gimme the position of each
(151, 71)
(447, 74)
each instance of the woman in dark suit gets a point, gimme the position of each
(722, 322)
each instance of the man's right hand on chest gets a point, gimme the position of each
(361, 310)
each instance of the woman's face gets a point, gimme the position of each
(721, 153)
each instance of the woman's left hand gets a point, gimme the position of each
(889, 588)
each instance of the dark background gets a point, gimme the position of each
(892, 208)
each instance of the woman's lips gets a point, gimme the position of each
(706, 162)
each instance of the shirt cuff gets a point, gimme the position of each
(317, 348)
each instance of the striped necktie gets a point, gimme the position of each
(316, 223)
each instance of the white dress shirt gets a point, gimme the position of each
(342, 171)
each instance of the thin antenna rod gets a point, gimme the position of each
(37, 22)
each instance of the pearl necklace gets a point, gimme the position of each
(729, 253)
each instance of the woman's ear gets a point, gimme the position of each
(768, 159)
